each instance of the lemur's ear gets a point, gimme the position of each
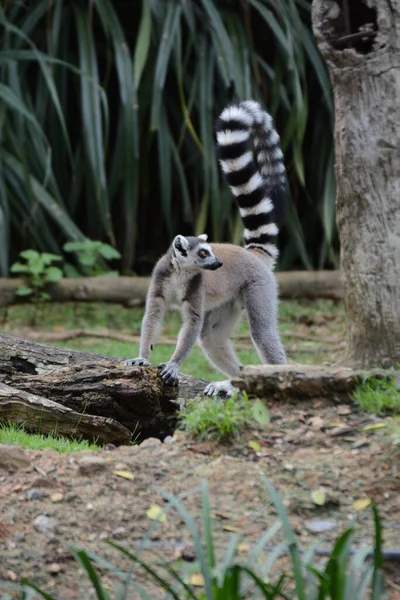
(203, 236)
(181, 244)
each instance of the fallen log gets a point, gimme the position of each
(94, 384)
(132, 290)
(39, 414)
(285, 382)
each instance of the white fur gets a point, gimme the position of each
(227, 138)
(270, 229)
(265, 206)
(238, 114)
(203, 236)
(247, 188)
(235, 164)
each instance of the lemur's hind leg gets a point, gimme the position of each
(261, 306)
(218, 348)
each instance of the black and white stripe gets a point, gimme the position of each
(256, 176)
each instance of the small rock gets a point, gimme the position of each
(91, 464)
(12, 576)
(54, 568)
(42, 482)
(150, 443)
(288, 467)
(109, 447)
(168, 440)
(45, 524)
(120, 466)
(57, 497)
(318, 526)
(70, 497)
(119, 533)
(188, 554)
(35, 494)
(89, 506)
(13, 457)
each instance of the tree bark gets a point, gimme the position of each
(299, 382)
(89, 384)
(365, 76)
(39, 414)
(133, 290)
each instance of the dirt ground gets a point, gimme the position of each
(307, 446)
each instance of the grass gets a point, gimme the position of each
(320, 319)
(12, 434)
(215, 417)
(378, 395)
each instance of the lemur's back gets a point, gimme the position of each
(240, 268)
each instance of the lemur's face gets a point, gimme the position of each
(195, 253)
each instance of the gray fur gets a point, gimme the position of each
(212, 303)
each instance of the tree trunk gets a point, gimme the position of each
(360, 41)
(133, 290)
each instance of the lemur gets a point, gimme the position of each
(212, 303)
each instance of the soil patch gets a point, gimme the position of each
(79, 499)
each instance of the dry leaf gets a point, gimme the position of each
(230, 528)
(156, 513)
(125, 474)
(316, 422)
(373, 426)
(254, 445)
(343, 409)
(196, 579)
(57, 497)
(318, 497)
(361, 503)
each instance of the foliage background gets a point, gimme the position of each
(107, 112)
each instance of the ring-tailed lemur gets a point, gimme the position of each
(212, 303)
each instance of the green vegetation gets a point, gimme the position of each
(229, 577)
(215, 417)
(37, 271)
(91, 256)
(378, 395)
(107, 123)
(113, 319)
(12, 434)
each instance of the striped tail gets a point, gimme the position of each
(259, 184)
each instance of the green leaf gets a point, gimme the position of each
(29, 254)
(108, 252)
(260, 412)
(19, 268)
(53, 274)
(142, 43)
(24, 290)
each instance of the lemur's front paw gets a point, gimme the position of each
(217, 388)
(136, 361)
(169, 372)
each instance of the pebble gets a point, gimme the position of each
(150, 443)
(318, 526)
(168, 440)
(35, 494)
(13, 457)
(91, 464)
(54, 568)
(45, 524)
(119, 533)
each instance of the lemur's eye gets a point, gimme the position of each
(203, 253)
